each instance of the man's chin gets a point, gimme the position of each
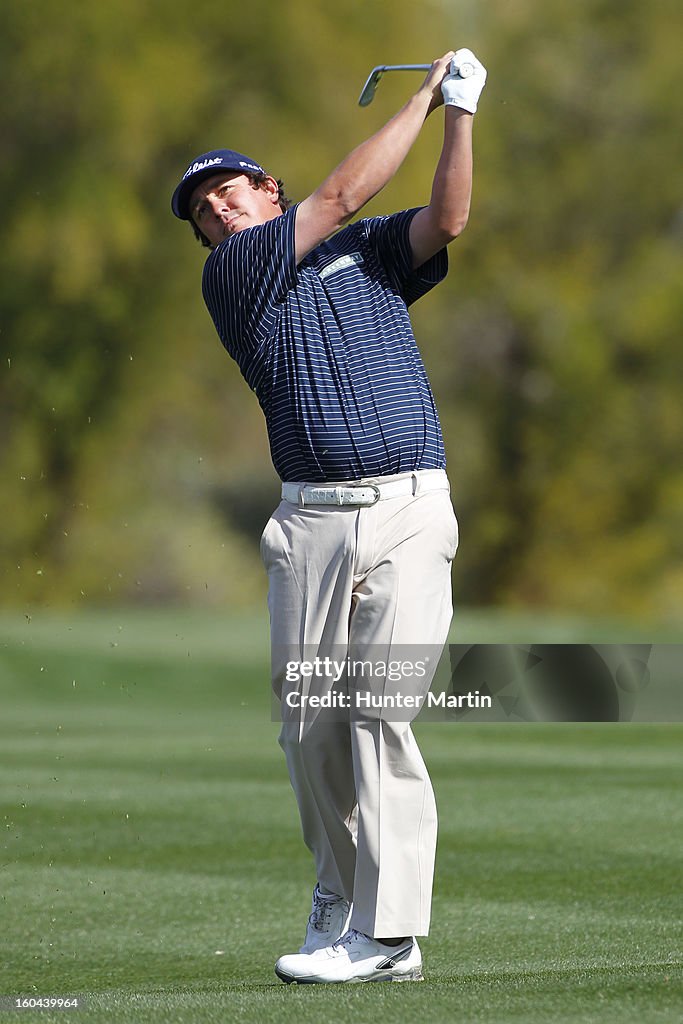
(234, 226)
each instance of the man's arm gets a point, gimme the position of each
(436, 225)
(367, 169)
(439, 223)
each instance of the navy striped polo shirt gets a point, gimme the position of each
(328, 346)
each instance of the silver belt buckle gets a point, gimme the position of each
(363, 487)
(378, 493)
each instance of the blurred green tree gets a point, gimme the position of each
(553, 346)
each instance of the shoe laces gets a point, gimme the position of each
(350, 936)
(320, 918)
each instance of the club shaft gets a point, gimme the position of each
(403, 67)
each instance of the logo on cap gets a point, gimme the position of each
(201, 165)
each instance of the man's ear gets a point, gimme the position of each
(272, 188)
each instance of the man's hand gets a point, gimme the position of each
(436, 75)
(464, 92)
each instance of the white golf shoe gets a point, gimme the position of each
(354, 958)
(327, 923)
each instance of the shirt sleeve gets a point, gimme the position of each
(389, 237)
(245, 280)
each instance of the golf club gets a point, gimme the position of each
(370, 88)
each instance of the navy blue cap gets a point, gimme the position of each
(205, 166)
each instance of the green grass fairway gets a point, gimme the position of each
(151, 860)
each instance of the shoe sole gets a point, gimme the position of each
(414, 975)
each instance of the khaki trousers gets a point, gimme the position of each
(370, 581)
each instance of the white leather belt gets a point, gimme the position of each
(363, 494)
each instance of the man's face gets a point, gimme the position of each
(228, 202)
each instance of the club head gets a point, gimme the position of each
(370, 87)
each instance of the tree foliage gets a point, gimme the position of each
(135, 463)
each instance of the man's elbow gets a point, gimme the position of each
(340, 205)
(446, 224)
(455, 225)
(449, 230)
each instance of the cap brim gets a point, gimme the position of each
(180, 202)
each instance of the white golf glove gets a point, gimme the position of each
(463, 90)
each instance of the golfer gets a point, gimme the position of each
(314, 310)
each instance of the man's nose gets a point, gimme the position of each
(218, 204)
